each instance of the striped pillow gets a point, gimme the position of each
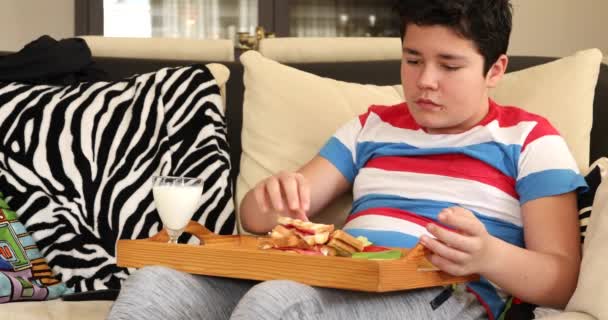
(77, 161)
(585, 200)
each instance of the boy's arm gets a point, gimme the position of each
(322, 182)
(546, 272)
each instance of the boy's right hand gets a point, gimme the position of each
(285, 193)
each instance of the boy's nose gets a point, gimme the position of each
(427, 78)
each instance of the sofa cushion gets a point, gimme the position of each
(592, 289)
(24, 273)
(289, 114)
(562, 91)
(77, 162)
(56, 309)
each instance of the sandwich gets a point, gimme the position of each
(344, 244)
(310, 238)
(297, 235)
(310, 232)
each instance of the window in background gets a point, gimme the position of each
(126, 18)
(208, 19)
(342, 18)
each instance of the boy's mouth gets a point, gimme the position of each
(427, 104)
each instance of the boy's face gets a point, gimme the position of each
(443, 81)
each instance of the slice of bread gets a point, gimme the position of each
(344, 243)
(342, 248)
(310, 232)
(283, 237)
(306, 227)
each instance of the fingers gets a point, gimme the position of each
(452, 238)
(260, 197)
(301, 214)
(285, 191)
(446, 252)
(304, 193)
(448, 266)
(462, 220)
(456, 251)
(290, 189)
(273, 190)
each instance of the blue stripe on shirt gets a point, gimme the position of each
(341, 157)
(549, 183)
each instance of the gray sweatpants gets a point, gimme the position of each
(163, 293)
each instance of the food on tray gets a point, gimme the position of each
(419, 252)
(306, 237)
(392, 254)
(365, 241)
(344, 244)
(309, 232)
(311, 238)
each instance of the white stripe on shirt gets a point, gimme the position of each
(348, 134)
(439, 188)
(540, 155)
(376, 130)
(384, 223)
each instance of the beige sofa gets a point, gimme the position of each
(278, 99)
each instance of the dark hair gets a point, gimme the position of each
(485, 22)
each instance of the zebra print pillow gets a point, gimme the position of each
(76, 163)
(594, 176)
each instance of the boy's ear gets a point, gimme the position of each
(497, 70)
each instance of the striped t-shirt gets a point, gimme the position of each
(403, 177)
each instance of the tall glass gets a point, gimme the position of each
(176, 199)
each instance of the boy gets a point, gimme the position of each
(474, 181)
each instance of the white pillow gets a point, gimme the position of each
(289, 114)
(562, 91)
(592, 289)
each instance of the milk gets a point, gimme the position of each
(176, 204)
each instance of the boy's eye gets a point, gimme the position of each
(450, 68)
(413, 62)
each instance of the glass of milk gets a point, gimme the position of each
(176, 199)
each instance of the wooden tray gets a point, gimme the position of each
(239, 257)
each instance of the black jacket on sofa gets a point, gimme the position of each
(48, 61)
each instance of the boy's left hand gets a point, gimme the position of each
(463, 251)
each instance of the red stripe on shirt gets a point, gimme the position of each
(397, 116)
(538, 132)
(392, 212)
(511, 116)
(450, 165)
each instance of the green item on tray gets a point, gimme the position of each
(382, 255)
